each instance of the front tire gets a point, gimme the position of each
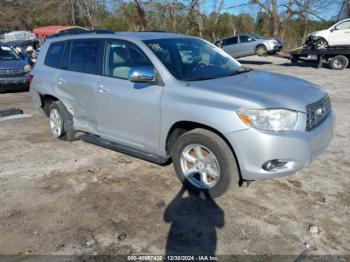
(61, 122)
(205, 163)
(261, 50)
(321, 44)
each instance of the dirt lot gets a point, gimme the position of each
(75, 198)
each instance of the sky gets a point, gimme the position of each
(237, 7)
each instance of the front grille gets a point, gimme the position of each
(10, 72)
(317, 112)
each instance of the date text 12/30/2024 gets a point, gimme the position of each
(173, 258)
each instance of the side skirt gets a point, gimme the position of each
(96, 140)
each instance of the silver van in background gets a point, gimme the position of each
(246, 45)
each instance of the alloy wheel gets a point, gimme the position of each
(321, 45)
(56, 123)
(200, 166)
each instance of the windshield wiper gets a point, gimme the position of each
(201, 78)
(245, 70)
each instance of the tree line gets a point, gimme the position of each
(289, 20)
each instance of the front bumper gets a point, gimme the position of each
(14, 83)
(254, 147)
(275, 48)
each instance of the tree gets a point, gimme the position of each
(281, 11)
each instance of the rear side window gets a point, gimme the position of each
(230, 41)
(84, 56)
(54, 54)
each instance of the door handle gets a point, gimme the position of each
(102, 89)
(61, 81)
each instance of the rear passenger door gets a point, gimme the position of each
(128, 113)
(77, 81)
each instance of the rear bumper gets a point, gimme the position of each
(14, 83)
(254, 147)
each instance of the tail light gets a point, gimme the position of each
(30, 78)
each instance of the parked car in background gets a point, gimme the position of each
(2, 35)
(336, 35)
(14, 71)
(249, 44)
(18, 35)
(162, 97)
(23, 44)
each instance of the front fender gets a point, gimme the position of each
(201, 109)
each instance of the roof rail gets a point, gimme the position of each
(67, 33)
(152, 31)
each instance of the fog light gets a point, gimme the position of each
(273, 164)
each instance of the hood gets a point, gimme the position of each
(272, 38)
(258, 89)
(5, 64)
(322, 33)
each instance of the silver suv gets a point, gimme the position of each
(246, 45)
(169, 97)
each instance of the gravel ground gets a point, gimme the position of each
(58, 197)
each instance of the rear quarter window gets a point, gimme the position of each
(54, 54)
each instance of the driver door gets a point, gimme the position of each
(231, 46)
(340, 34)
(127, 113)
(247, 45)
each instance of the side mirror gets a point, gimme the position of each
(142, 74)
(333, 29)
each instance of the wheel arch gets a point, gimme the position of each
(181, 127)
(321, 38)
(260, 44)
(46, 99)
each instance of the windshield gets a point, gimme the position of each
(6, 53)
(191, 59)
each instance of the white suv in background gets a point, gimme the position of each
(336, 35)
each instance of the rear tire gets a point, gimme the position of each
(61, 122)
(339, 62)
(214, 173)
(261, 50)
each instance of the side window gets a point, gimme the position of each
(120, 56)
(83, 56)
(54, 54)
(246, 39)
(343, 26)
(230, 41)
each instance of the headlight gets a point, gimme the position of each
(270, 119)
(313, 37)
(27, 68)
